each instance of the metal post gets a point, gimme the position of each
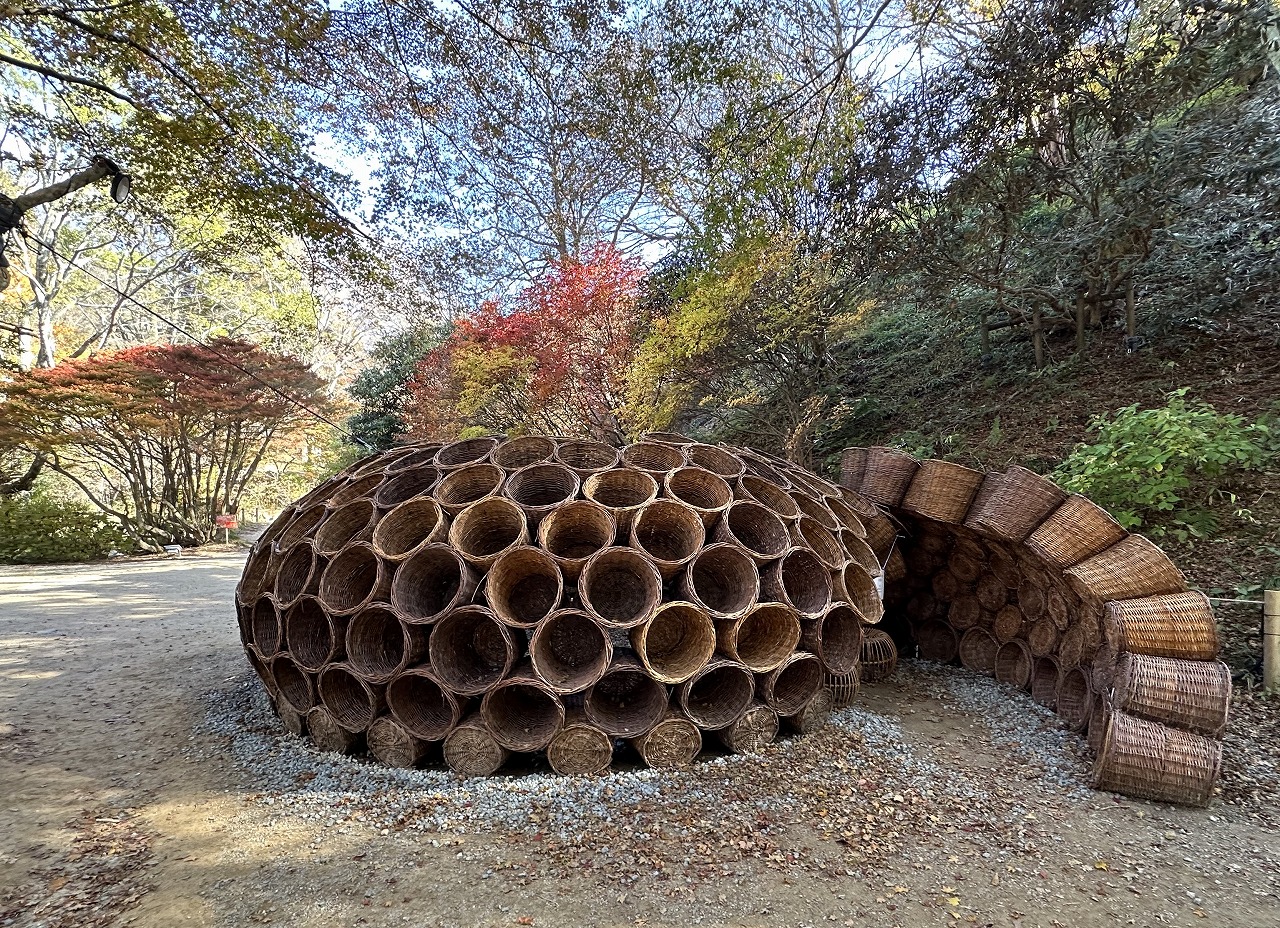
(1271, 640)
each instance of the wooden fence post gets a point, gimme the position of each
(1271, 640)
(1037, 335)
(1080, 323)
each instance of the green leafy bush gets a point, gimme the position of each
(39, 529)
(1145, 462)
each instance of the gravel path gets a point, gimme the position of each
(149, 784)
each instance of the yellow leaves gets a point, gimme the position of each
(1101, 865)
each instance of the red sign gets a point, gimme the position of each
(228, 521)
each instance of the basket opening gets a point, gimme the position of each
(717, 460)
(350, 579)
(470, 650)
(621, 587)
(766, 635)
(375, 642)
(468, 484)
(295, 571)
(652, 456)
(484, 530)
(699, 488)
(522, 716)
(570, 651)
(678, 640)
(293, 685)
(521, 452)
(841, 630)
(406, 527)
(309, 633)
(428, 583)
(724, 579)
(806, 582)
(795, 684)
(406, 486)
(719, 696)
(770, 496)
(757, 529)
(468, 451)
(670, 533)
(264, 626)
(587, 455)
(347, 698)
(422, 706)
(542, 485)
(626, 702)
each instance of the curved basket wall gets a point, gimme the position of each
(1011, 560)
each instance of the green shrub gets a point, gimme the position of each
(1145, 461)
(39, 529)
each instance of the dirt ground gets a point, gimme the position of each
(136, 789)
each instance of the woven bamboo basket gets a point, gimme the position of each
(895, 568)
(463, 486)
(811, 506)
(1076, 530)
(253, 583)
(888, 474)
(965, 567)
(751, 732)
(580, 748)
(299, 573)
(354, 578)
(294, 723)
(319, 495)
(675, 642)
(978, 650)
(756, 530)
(707, 494)
(882, 534)
(523, 586)
(431, 583)
(1071, 646)
(761, 638)
(1008, 624)
(943, 491)
(1099, 719)
(570, 651)
(1014, 664)
(1075, 698)
(1045, 677)
(800, 580)
(946, 587)
(853, 466)
(655, 458)
(812, 716)
(991, 592)
(314, 638)
(808, 533)
(1031, 598)
(471, 751)
(1152, 761)
(328, 734)
(717, 460)
(667, 438)
(485, 529)
(672, 744)
(626, 702)
(1042, 638)
(623, 491)
(670, 533)
(1057, 608)
(516, 453)
(1016, 504)
(587, 457)
(1004, 567)
(965, 612)
(722, 579)
(789, 686)
(1179, 625)
(541, 488)
(408, 528)
(717, 695)
(419, 701)
(414, 458)
(846, 516)
(471, 651)
(1128, 569)
(263, 672)
(937, 642)
(392, 745)
(760, 466)
(521, 712)
(879, 658)
(357, 488)
(354, 702)
(863, 593)
(1102, 672)
(773, 498)
(467, 451)
(401, 488)
(620, 587)
(843, 687)
(1191, 695)
(294, 686)
(574, 532)
(836, 638)
(265, 628)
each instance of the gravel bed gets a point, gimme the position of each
(861, 786)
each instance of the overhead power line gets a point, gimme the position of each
(199, 341)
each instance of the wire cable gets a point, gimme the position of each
(355, 439)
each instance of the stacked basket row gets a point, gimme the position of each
(1012, 576)
(495, 596)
